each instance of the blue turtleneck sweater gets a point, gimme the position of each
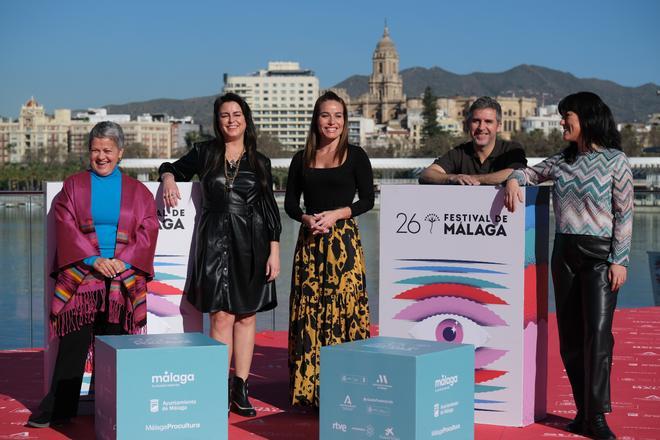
(106, 201)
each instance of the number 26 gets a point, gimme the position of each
(408, 226)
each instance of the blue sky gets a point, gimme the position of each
(78, 54)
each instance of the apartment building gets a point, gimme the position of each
(282, 100)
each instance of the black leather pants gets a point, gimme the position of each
(585, 308)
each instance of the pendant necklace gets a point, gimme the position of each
(231, 170)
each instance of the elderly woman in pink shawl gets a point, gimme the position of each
(106, 228)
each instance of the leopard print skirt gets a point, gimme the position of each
(328, 303)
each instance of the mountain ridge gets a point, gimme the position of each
(629, 104)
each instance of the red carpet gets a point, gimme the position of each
(635, 391)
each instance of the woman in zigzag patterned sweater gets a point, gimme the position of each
(593, 204)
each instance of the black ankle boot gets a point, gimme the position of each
(576, 426)
(598, 429)
(240, 404)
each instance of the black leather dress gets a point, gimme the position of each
(233, 236)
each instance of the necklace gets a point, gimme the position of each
(231, 170)
(237, 159)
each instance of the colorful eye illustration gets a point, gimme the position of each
(450, 328)
(453, 306)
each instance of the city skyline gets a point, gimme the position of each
(77, 55)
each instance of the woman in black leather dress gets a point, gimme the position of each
(237, 247)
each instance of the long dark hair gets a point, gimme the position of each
(249, 138)
(597, 126)
(313, 135)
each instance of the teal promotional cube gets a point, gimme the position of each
(397, 389)
(165, 386)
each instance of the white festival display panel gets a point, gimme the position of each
(456, 266)
(167, 309)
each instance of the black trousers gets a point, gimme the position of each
(62, 399)
(585, 308)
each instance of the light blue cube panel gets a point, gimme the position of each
(397, 389)
(165, 386)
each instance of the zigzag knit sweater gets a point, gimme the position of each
(591, 196)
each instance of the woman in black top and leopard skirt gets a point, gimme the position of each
(328, 302)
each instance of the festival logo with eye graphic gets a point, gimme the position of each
(452, 306)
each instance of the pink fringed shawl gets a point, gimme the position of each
(80, 293)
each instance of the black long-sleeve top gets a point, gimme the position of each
(330, 188)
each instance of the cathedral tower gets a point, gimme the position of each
(385, 99)
(385, 81)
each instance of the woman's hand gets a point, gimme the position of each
(105, 267)
(171, 194)
(617, 276)
(512, 192)
(326, 220)
(119, 265)
(308, 221)
(311, 223)
(273, 262)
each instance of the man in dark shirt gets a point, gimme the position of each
(485, 159)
